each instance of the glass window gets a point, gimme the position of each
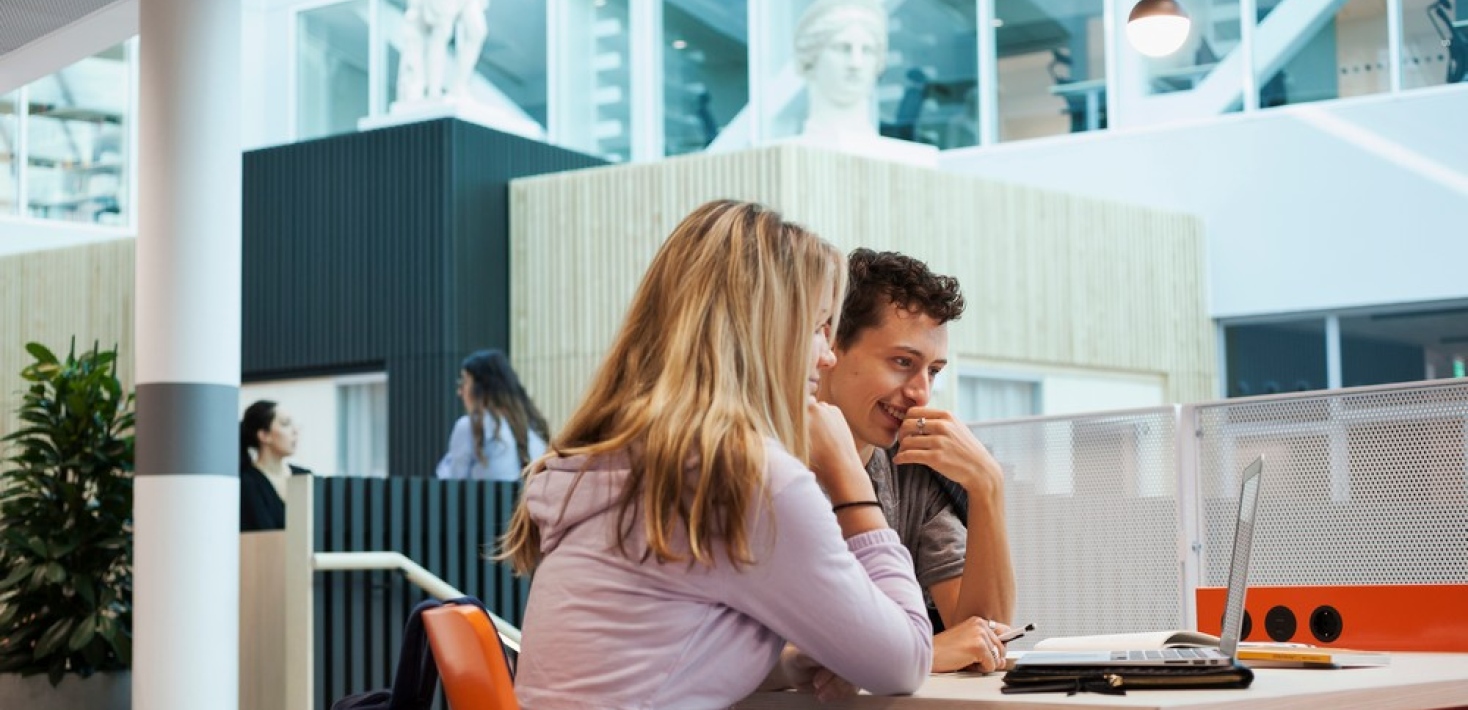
(1346, 56)
(782, 92)
(9, 152)
(1052, 67)
(591, 87)
(76, 141)
(1434, 42)
(1403, 346)
(1216, 31)
(1273, 358)
(984, 398)
(362, 426)
(1361, 49)
(705, 71)
(929, 92)
(331, 69)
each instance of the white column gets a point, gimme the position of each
(645, 21)
(988, 72)
(1394, 45)
(1249, 81)
(1333, 376)
(186, 507)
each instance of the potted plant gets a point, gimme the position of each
(66, 502)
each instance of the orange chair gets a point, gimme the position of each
(471, 662)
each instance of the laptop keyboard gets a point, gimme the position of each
(1182, 655)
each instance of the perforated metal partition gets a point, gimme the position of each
(1093, 514)
(1361, 486)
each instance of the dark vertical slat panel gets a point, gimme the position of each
(340, 600)
(472, 524)
(447, 526)
(358, 609)
(507, 601)
(380, 653)
(434, 552)
(321, 596)
(387, 249)
(397, 523)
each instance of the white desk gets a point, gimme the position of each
(1413, 680)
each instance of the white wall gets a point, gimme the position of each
(1347, 203)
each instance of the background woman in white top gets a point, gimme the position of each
(502, 431)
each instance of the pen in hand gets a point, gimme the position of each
(1016, 632)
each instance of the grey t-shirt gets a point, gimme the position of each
(918, 509)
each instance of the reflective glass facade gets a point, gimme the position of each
(627, 80)
(65, 142)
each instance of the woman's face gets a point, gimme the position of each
(845, 70)
(466, 390)
(280, 438)
(822, 358)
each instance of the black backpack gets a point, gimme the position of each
(416, 680)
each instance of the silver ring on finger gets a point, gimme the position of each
(998, 660)
(922, 422)
(993, 626)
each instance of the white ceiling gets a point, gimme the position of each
(25, 21)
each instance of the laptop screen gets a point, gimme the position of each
(1238, 568)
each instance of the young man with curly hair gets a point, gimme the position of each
(939, 487)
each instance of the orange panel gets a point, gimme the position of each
(1415, 617)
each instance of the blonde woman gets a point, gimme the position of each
(700, 508)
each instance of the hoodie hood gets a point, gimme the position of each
(558, 502)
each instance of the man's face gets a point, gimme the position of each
(887, 369)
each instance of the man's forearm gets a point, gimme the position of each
(987, 587)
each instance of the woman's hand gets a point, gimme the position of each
(833, 455)
(973, 643)
(809, 676)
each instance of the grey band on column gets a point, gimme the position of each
(187, 428)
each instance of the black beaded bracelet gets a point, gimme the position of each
(854, 504)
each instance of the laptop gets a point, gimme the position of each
(1233, 615)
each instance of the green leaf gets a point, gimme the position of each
(122, 645)
(86, 630)
(19, 573)
(54, 637)
(40, 352)
(55, 573)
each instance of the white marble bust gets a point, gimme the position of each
(840, 50)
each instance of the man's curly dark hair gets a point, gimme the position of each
(876, 279)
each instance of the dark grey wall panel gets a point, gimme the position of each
(386, 250)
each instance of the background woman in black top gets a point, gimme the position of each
(268, 431)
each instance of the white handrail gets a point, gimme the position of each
(427, 581)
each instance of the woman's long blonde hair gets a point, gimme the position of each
(712, 358)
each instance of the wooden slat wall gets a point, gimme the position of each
(50, 296)
(1051, 279)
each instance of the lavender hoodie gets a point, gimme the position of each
(605, 631)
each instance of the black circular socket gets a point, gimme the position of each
(1325, 623)
(1279, 623)
(1244, 628)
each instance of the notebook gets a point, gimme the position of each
(1146, 651)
